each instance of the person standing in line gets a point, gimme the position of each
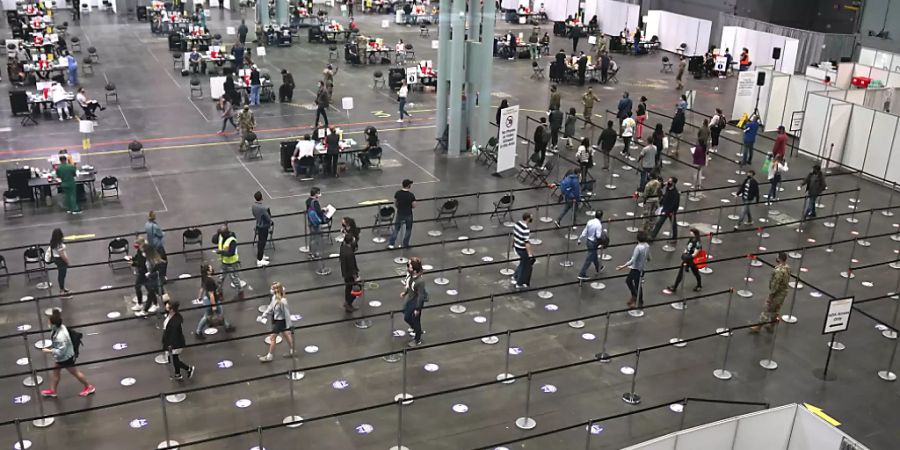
(503, 105)
(778, 289)
(576, 35)
(405, 202)
(607, 141)
(605, 62)
(173, 340)
(555, 97)
(780, 144)
(328, 78)
(675, 131)
(280, 315)
(657, 139)
(347, 258)
(703, 133)
(247, 123)
(669, 203)
(322, 102)
(67, 173)
(679, 75)
(699, 159)
(264, 223)
(64, 351)
(534, 46)
(227, 113)
(628, 125)
(749, 194)
(687, 263)
(211, 298)
(636, 266)
(226, 247)
(541, 140)
(521, 244)
(750, 131)
(60, 258)
(581, 64)
(255, 85)
(570, 189)
(414, 296)
(585, 157)
(569, 129)
(315, 218)
(650, 198)
(139, 266)
(556, 123)
(154, 277)
(401, 99)
(815, 185)
(623, 108)
(716, 125)
(238, 52)
(242, 32)
(155, 234)
(776, 168)
(587, 101)
(591, 235)
(641, 118)
(647, 161)
(286, 91)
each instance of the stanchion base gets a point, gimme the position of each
(379, 240)
(476, 228)
(31, 382)
(852, 220)
(706, 270)
(895, 237)
(603, 357)
(885, 375)
(506, 378)
(632, 229)
(795, 285)
(787, 318)
(262, 308)
(362, 324)
(609, 186)
(292, 421)
(467, 251)
(525, 423)
(490, 340)
(43, 422)
(435, 233)
(887, 213)
(399, 447)
(598, 286)
(407, 398)
(535, 241)
(305, 249)
(722, 374)
(890, 334)
(507, 271)
(724, 332)
(768, 364)
(668, 248)
(828, 224)
(756, 263)
(161, 359)
(441, 281)
(173, 445)
(24, 445)
(509, 224)
(571, 236)
(175, 398)
(636, 312)
(679, 305)
(677, 342)
(745, 293)
(837, 346)
(606, 257)
(682, 223)
(576, 324)
(845, 275)
(296, 375)
(566, 263)
(631, 398)
(43, 285)
(545, 294)
(733, 217)
(323, 271)
(401, 260)
(716, 241)
(546, 219)
(457, 309)
(794, 255)
(820, 374)
(392, 358)
(864, 243)
(894, 265)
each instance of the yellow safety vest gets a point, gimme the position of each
(223, 244)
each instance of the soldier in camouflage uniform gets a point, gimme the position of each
(650, 197)
(778, 289)
(247, 123)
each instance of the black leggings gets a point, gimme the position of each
(693, 268)
(225, 122)
(348, 297)
(178, 364)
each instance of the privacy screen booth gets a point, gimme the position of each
(612, 16)
(762, 47)
(782, 97)
(674, 30)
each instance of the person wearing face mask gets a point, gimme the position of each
(139, 264)
(668, 208)
(173, 340)
(226, 247)
(414, 296)
(347, 257)
(280, 315)
(211, 297)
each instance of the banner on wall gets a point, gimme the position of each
(744, 95)
(509, 129)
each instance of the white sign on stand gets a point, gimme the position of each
(838, 317)
(347, 103)
(434, 44)
(385, 23)
(260, 51)
(230, 30)
(797, 120)
(691, 96)
(412, 75)
(509, 128)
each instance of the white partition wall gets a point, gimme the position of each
(613, 16)
(880, 59)
(675, 29)
(775, 106)
(559, 10)
(760, 45)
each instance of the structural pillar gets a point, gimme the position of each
(262, 13)
(457, 78)
(443, 63)
(281, 12)
(485, 75)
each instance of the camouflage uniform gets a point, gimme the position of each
(778, 289)
(650, 196)
(247, 123)
(587, 100)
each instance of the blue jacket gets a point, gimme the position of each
(623, 107)
(750, 131)
(154, 233)
(570, 187)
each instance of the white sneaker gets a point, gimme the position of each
(134, 300)
(399, 120)
(262, 263)
(153, 309)
(140, 313)
(265, 258)
(136, 307)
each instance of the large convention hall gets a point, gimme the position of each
(449, 224)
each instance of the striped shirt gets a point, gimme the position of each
(520, 235)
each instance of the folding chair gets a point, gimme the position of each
(666, 65)
(5, 270)
(271, 242)
(33, 259)
(254, 150)
(542, 175)
(612, 76)
(587, 193)
(12, 203)
(384, 218)
(446, 214)
(136, 153)
(503, 208)
(109, 184)
(537, 71)
(192, 236)
(117, 246)
(488, 154)
(424, 31)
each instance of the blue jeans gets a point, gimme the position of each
(208, 311)
(406, 234)
(403, 108)
(254, 94)
(810, 210)
(73, 77)
(523, 272)
(747, 153)
(570, 205)
(746, 217)
(645, 175)
(591, 257)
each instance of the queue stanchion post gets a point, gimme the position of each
(399, 445)
(631, 397)
(526, 422)
(637, 311)
(888, 374)
(545, 293)
(506, 377)
(589, 429)
(404, 397)
(862, 241)
(363, 322)
(401, 233)
(853, 219)
(294, 374)
(887, 212)
(746, 292)
(508, 270)
(718, 230)
(796, 284)
(44, 342)
(477, 226)
(822, 373)
(633, 228)
(611, 176)
(706, 270)
(33, 379)
(491, 340)
(442, 280)
(723, 373)
(677, 341)
(769, 363)
(826, 223)
(168, 443)
(566, 262)
(457, 308)
(682, 223)
(547, 218)
(42, 421)
(435, 232)
(734, 212)
(889, 332)
(305, 247)
(393, 357)
(259, 438)
(830, 247)
(21, 442)
(603, 356)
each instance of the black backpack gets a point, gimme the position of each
(76, 337)
(604, 239)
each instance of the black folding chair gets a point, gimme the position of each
(446, 216)
(384, 218)
(119, 248)
(503, 208)
(192, 236)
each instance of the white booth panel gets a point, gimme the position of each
(591, 9)
(883, 60)
(814, 123)
(860, 70)
(713, 436)
(811, 432)
(675, 29)
(661, 443)
(867, 56)
(510, 4)
(788, 61)
(760, 45)
(879, 74)
(729, 35)
(893, 168)
(559, 10)
(855, 96)
(858, 136)
(884, 128)
(775, 114)
(845, 75)
(767, 429)
(893, 80)
(616, 16)
(836, 135)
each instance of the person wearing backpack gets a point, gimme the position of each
(570, 188)
(716, 125)
(414, 296)
(64, 349)
(211, 298)
(694, 246)
(315, 217)
(592, 235)
(173, 340)
(280, 315)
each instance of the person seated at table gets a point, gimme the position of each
(270, 36)
(373, 150)
(400, 48)
(593, 24)
(304, 156)
(89, 106)
(351, 53)
(744, 62)
(353, 27)
(59, 97)
(15, 71)
(194, 60)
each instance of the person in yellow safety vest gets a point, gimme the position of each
(226, 247)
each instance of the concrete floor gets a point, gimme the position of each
(194, 176)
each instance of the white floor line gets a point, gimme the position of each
(155, 186)
(350, 190)
(123, 117)
(241, 161)
(411, 161)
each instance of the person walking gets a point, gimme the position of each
(73, 69)
(570, 190)
(238, 52)
(155, 234)
(605, 62)
(247, 124)
(64, 349)
(750, 131)
(522, 245)
(641, 117)
(226, 247)
(401, 100)
(699, 158)
(691, 251)
(749, 194)
(675, 131)
(211, 298)
(650, 198)
(777, 168)
(716, 125)
(658, 139)
(322, 102)
(347, 258)
(585, 157)
(173, 340)
(556, 123)
(59, 257)
(242, 32)
(647, 163)
(67, 173)
(263, 217)
(623, 108)
(414, 296)
(286, 91)
(778, 148)
(581, 64)
(569, 128)
(606, 142)
(815, 185)
(576, 35)
(587, 101)
(315, 218)
(404, 202)
(679, 75)
(628, 125)
(636, 266)
(592, 235)
(541, 141)
(778, 289)
(139, 266)
(227, 113)
(154, 278)
(280, 314)
(669, 203)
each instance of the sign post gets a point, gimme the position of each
(506, 147)
(837, 319)
(796, 127)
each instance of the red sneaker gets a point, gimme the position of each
(87, 391)
(48, 393)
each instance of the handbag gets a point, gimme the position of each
(700, 259)
(215, 320)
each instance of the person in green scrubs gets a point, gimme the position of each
(66, 174)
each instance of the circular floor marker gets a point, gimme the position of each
(196, 301)
(311, 349)
(340, 384)
(293, 421)
(627, 370)
(210, 331)
(256, 447)
(22, 362)
(548, 389)
(184, 276)
(175, 398)
(460, 408)
(268, 339)
(427, 267)
(128, 381)
(243, 403)
(24, 445)
(867, 284)
(725, 200)
(364, 428)
(479, 319)
(138, 423)
(588, 336)
(23, 327)
(594, 429)
(105, 287)
(804, 269)
(374, 303)
(452, 292)
(881, 327)
(487, 259)
(515, 351)
(26, 298)
(113, 315)
(676, 407)
(225, 364)
(815, 294)
(399, 333)
(462, 238)
(551, 307)
(22, 399)
(431, 367)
